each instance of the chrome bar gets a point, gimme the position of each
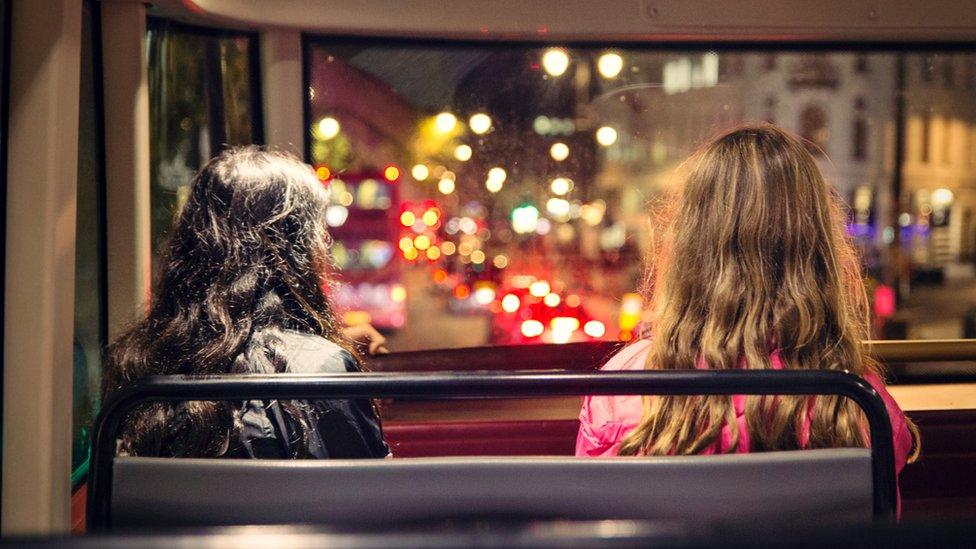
(453, 385)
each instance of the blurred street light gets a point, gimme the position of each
(445, 122)
(420, 172)
(561, 186)
(555, 61)
(610, 65)
(479, 123)
(445, 186)
(496, 178)
(463, 153)
(328, 127)
(559, 151)
(606, 136)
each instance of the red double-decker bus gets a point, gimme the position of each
(363, 221)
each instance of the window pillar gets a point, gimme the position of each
(42, 175)
(281, 78)
(126, 93)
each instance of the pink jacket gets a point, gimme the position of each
(606, 420)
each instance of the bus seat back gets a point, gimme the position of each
(811, 485)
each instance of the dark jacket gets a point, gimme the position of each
(335, 428)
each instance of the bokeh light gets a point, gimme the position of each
(555, 61)
(391, 173)
(398, 293)
(328, 128)
(479, 123)
(610, 64)
(606, 136)
(446, 186)
(559, 151)
(594, 329)
(539, 288)
(532, 328)
(420, 172)
(563, 328)
(463, 153)
(496, 178)
(445, 122)
(561, 186)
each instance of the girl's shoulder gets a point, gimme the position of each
(606, 419)
(631, 357)
(306, 353)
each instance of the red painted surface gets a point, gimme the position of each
(78, 501)
(942, 483)
(489, 438)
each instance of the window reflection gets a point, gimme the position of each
(540, 163)
(203, 98)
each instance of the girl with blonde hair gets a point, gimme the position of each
(751, 268)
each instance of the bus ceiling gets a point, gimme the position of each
(826, 21)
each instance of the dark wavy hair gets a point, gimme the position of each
(247, 259)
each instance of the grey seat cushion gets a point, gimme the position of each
(830, 484)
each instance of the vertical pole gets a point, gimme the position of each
(896, 260)
(281, 78)
(40, 260)
(126, 93)
(213, 81)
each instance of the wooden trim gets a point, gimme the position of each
(923, 350)
(941, 396)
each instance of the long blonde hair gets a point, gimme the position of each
(751, 257)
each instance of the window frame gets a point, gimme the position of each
(256, 103)
(253, 66)
(80, 473)
(155, 22)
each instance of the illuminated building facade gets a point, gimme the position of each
(939, 195)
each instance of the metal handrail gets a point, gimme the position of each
(489, 385)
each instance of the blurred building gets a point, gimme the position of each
(843, 106)
(939, 191)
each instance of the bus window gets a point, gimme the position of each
(204, 96)
(540, 161)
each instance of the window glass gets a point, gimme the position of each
(493, 194)
(89, 328)
(203, 97)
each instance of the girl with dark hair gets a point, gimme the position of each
(242, 289)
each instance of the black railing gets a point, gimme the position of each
(445, 385)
